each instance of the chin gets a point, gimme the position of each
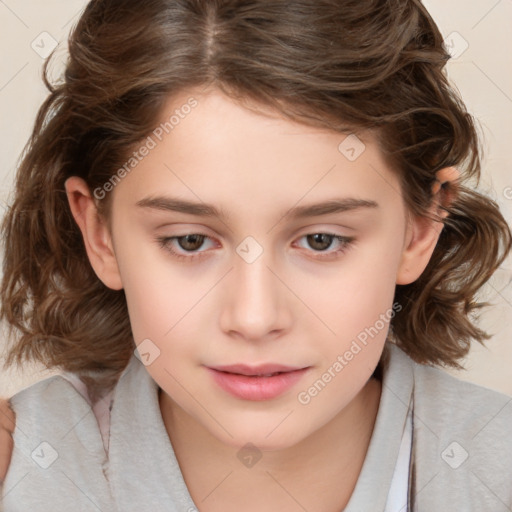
(263, 437)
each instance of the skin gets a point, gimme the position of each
(296, 304)
(7, 423)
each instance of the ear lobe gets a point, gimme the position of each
(95, 232)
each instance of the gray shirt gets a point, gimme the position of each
(461, 455)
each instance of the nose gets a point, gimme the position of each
(255, 302)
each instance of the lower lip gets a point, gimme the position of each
(256, 388)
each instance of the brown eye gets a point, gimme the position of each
(190, 242)
(320, 241)
(185, 247)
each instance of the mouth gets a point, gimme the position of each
(256, 383)
(263, 370)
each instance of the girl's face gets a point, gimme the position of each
(298, 237)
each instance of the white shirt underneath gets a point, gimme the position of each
(398, 491)
(101, 408)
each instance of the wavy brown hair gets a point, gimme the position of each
(347, 65)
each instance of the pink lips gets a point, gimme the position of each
(262, 382)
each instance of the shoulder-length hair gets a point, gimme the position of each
(347, 65)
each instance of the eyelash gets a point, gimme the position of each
(165, 243)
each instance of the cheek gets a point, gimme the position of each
(155, 293)
(160, 305)
(170, 305)
(361, 288)
(358, 306)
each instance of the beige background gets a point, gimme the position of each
(480, 39)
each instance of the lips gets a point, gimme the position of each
(263, 370)
(262, 382)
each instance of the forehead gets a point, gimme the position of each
(208, 147)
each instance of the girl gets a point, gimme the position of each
(245, 232)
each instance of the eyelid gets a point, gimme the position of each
(346, 243)
(165, 243)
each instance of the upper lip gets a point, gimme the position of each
(263, 369)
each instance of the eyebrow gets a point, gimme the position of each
(297, 212)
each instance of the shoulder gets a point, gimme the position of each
(58, 449)
(52, 400)
(38, 396)
(463, 442)
(446, 397)
(53, 407)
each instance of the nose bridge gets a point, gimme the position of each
(254, 302)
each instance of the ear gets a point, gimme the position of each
(423, 232)
(420, 241)
(95, 232)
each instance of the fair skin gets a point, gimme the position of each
(7, 421)
(299, 303)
